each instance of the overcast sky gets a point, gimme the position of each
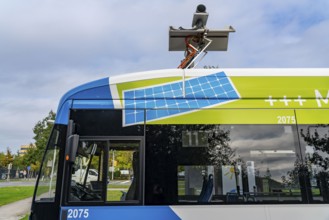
(50, 46)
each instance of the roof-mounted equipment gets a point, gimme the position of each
(197, 40)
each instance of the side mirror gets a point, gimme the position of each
(71, 148)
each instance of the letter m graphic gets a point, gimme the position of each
(319, 98)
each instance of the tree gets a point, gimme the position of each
(31, 157)
(164, 144)
(219, 150)
(124, 159)
(42, 132)
(7, 159)
(2, 158)
(18, 162)
(318, 160)
(320, 144)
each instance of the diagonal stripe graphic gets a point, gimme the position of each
(200, 92)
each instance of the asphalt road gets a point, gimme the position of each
(30, 182)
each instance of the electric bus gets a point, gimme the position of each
(190, 144)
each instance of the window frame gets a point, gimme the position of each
(181, 155)
(106, 169)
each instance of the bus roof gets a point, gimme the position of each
(220, 85)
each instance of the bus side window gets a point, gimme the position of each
(124, 171)
(132, 193)
(86, 180)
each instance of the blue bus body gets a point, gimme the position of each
(190, 144)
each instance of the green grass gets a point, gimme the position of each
(116, 186)
(26, 217)
(181, 187)
(316, 192)
(14, 193)
(114, 195)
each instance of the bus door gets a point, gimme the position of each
(106, 171)
(46, 198)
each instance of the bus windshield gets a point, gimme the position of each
(47, 177)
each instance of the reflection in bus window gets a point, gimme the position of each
(238, 164)
(315, 149)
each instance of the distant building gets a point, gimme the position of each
(24, 148)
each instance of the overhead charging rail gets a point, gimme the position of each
(198, 40)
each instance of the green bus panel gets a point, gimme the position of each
(312, 116)
(232, 116)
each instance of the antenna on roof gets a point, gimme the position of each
(197, 40)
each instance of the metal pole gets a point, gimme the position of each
(52, 171)
(112, 164)
(52, 167)
(198, 54)
(9, 168)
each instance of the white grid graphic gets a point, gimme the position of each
(167, 100)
